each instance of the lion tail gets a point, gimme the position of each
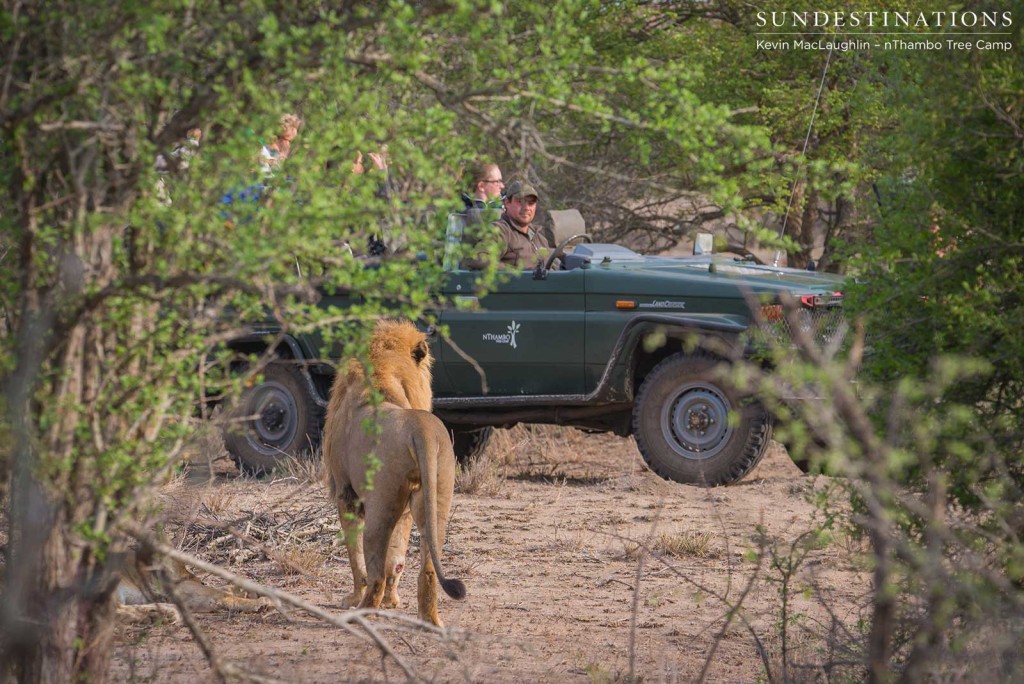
(428, 455)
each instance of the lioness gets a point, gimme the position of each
(416, 470)
(141, 592)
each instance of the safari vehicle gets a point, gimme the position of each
(599, 338)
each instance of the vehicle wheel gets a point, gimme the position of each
(682, 427)
(283, 420)
(469, 443)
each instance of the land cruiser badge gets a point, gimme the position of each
(663, 304)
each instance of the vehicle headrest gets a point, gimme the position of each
(566, 223)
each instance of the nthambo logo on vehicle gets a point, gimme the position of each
(508, 338)
(842, 30)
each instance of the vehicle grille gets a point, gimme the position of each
(824, 321)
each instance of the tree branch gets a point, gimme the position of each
(277, 595)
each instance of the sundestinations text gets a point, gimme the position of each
(885, 19)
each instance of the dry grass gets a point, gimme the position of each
(480, 477)
(685, 544)
(219, 500)
(631, 548)
(206, 445)
(535, 445)
(306, 468)
(615, 518)
(295, 558)
(572, 540)
(804, 656)
(556, 452)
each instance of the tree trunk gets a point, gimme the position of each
(883, 618)
(800, 226)
(57, 610)
(73, 624)
(836, 227)
(57, 614)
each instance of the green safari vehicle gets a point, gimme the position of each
(599, 338)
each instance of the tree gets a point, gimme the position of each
(939, 291)
(121, 276)
(945, 262)
(791, 158)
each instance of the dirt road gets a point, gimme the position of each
(581, 566)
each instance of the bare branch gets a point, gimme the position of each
(279, 596)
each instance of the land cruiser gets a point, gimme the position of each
(599, 338)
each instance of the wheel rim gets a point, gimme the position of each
(695, 421)
(276, 417)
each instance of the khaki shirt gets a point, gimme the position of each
(519, 250)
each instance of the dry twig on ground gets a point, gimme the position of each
(345, 621)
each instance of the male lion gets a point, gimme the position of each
(416, 470)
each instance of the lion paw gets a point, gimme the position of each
(352, 600)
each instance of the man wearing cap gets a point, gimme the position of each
(522, 244)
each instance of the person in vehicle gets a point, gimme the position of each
(275, 152)
(482, 204)
(378, 159)
(522, 244)
(342, 174)
(485, 187)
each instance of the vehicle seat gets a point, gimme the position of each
(566, 223)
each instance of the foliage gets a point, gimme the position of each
(122, 275)
(934, 496)
(931, 438)
(943, 275)
(794, 160)
(120, 279)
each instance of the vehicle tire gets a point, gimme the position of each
(284, 420)
(469, 443)
(682, 428)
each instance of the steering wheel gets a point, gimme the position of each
(560, 250)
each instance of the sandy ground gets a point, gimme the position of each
(581, 566)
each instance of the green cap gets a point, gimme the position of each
(520, 189)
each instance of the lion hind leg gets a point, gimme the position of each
(395, 564)
(432, 503)
(427, 585)
(427, 589)
(381, 521)
(349, 513)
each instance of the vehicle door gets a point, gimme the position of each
(525, 338)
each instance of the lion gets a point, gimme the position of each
(383, 480)
(142, 591)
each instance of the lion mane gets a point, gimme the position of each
(384, 479)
